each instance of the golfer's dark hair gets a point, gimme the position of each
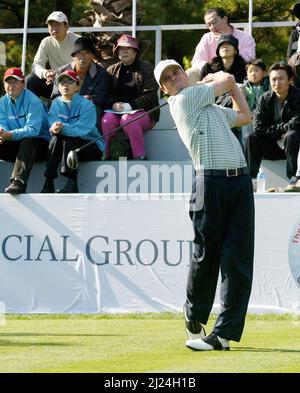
(257, 63)
(282, 65)
(221, 13)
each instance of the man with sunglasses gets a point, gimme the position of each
(217, 22)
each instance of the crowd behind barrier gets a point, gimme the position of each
(64, 50)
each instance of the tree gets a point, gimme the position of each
(271, 42)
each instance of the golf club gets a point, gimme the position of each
(72, 158)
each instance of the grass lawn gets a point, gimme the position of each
(141, 343)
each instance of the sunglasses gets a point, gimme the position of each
(66, 81)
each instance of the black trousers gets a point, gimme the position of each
(38, 86)
(24, 153)
(224, 241)
(59, 148)
(257, 147)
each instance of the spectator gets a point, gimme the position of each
(255, 85)
(24, 131)
(228, 60)
(257, 82)
(132, 87)
(276, 123)
(217, 22)
(294, 36)
(55, 50)
(72, 120)
(93, 77)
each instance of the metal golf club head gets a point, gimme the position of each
(72, 160)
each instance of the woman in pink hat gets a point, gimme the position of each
(132, 91)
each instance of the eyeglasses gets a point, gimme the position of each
(66, 81)
(214, 22)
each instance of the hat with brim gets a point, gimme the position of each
(69, 74)
(296, 10)
(83, 43)
(126, 41)
(162, 66)
(229, 39)
(14, 73)
(57, 16)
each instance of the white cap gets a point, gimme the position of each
(162, 65)
(57, 16)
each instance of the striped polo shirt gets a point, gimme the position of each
(204, 127)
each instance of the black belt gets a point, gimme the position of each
(224, 172)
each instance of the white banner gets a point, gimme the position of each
(87, 253)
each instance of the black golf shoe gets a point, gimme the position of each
(70, 187)
(48, 187)
(209, 343)
(16, 187)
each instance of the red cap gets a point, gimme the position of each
(14, 73)
(70, 74)
(128, 41)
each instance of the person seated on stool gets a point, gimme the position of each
(72, 120)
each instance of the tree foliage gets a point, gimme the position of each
(271, 42)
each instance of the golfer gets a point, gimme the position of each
(221, 207)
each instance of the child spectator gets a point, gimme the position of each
(256, 83)
(72, 120)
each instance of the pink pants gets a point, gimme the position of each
(134, 131)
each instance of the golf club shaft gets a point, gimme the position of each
(119, 127)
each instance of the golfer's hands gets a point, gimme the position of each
(50, 76)
(5, 136)
(56, 127)
(211, 77)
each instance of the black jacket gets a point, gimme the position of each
(145, 83)
(293, 42)
(238, 68)
(264, 114)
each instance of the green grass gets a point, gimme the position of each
(141, 343)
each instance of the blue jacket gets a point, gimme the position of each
(26, 118)
(79, 120)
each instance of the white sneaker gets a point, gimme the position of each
(209, 343)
